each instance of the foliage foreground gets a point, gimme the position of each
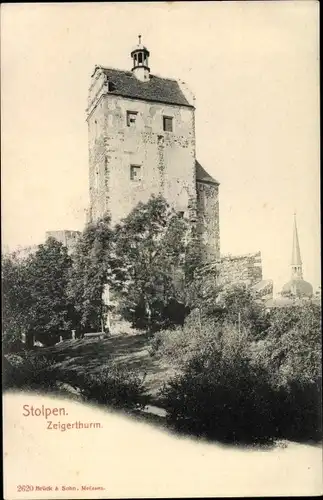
(242, 374)
(112, 386)
(234, 388)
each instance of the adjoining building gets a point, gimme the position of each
(142, 143)
(68, 238)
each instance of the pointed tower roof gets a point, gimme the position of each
(297, 287)
(296, 252)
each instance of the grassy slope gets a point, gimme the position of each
(130, 350)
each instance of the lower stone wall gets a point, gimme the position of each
(229, 269)
(240, 269)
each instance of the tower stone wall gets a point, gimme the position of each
(208, 219)
(166, 160)
(142, 142)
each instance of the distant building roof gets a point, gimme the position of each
(263, 289)
(202, 175)
(298, 287)
(157, 89)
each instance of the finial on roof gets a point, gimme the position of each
(140, 55)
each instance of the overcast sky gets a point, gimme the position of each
(253, 68)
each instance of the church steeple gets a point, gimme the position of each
(296, 262)
(297, 287)
(140, 66)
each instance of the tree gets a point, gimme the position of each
(15, 302)
(153, 242)
(232, 385)
(95, 265)
(233, 303)
(219, 393)
(242, 309)
(51, 313)
(35, 295)
(293, 344)
(203, 291)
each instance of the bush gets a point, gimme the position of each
(178, 345)
(115, 387)
(11, 342)
(299, 414)
(221, 397)
(232, 388)
(171, 345)
(29, 371)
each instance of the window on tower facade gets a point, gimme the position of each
(131, 118)
(168, 124)
(135, 172)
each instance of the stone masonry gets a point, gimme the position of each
(228, 269)
(245, 269)
(68, 238)
(142, 143)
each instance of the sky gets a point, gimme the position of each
(254, 70)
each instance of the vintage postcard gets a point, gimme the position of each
(161, 250)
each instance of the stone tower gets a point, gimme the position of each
(142, 143)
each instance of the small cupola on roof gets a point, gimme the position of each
(140, 67)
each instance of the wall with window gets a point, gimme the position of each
(141, 148)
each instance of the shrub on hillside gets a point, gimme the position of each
(115, 387)
(171, 345)
(11, 342)
(29, 371)
(176, 346)
(221, 395)
(231, 391)
(298, 411)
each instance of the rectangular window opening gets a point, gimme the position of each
(168, 123)
(135, 172)
(131, 118)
